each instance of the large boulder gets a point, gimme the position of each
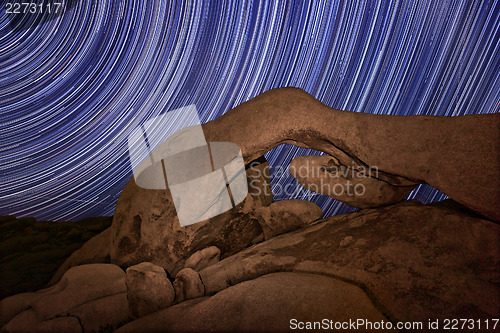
(203, 258)
(287, 215)
(272, 303)
(188, 285)
(417, 262)
(145, 228)
(148, 289)
(88, 297)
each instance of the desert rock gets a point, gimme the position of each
(286, 215)
(148, 289)
(265, 304)
(188, 285)
(203, 258)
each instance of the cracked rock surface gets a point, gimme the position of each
(89, 297)
(148, 289)
(265, 304)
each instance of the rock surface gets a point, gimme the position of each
(188, 285)
(415, 261)
(145, 228)
(31, 251)
(204, 258)
(148, 289)
(448, 153)
(356, 186)
(287, 215)
(266, 304)
(88, 297)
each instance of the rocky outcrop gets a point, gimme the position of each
(148, 289)
(405, 262)
(88, 297)
(448, 153)
(286, 215)
(414, 261)
(188, 285)
(203, 258)
(265, 304)
(145, 228)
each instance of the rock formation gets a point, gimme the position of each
(261, 263)
(148, 289)
(88, 298)
(457, 155)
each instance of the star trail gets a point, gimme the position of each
(74, 85)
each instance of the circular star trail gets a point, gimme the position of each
(74, 84)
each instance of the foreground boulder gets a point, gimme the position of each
(204, 258)
(148, 289)
(145, 228)
(188, 285)
(287, 215)
(266, 304)
(416, 262)
(88, 297)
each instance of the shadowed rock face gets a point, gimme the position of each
(265, 304)
(88, 298)
(415, 262)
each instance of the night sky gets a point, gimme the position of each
(74, 85)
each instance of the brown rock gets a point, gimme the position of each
(88, 297)
(188, 285)
(204, 258)
(108, 312)
(61, 324)
(95, 250)
(287, 215)
(148, 289)
(79, 285)
(351, 185)
(416, 262)
(25, 321)
(448, 153)
(266, 304)
(14, 305)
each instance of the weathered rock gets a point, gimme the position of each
(287, 215)
(355, 186)
(448, 153)
(95, 250)
(204, 258)
(416, 262)
(103, 313)
(188, 285)
(145, 228)
(88, 297)
(148, 289)
(266, 304)
(25, 321)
